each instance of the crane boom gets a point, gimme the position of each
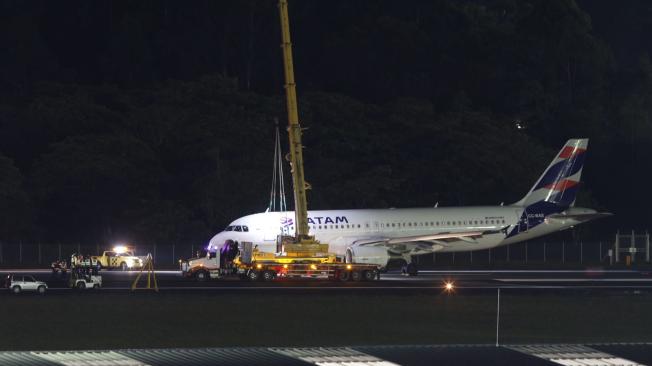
(294, 129)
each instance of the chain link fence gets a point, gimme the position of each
(24, 254)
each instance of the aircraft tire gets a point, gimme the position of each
(412, 269)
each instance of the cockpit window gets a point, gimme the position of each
(245, 228)
(229, 228)
(238, 228)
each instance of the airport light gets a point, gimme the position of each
(119, 249)
(348, 266)
(449, 286)
(313, 267)
(259, 266)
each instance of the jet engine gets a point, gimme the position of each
(372, 255)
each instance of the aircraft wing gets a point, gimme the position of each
(438, 238)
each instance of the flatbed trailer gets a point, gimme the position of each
(268, 267)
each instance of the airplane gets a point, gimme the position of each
(378, 235)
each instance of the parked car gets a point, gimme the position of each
(18, 284)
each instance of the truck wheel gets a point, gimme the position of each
(81, 285)
(123, 266)
(41, 289)
(15, 289)
(356, 276)
(253, 275)
(344, 276)
(369, 275)
(268, 276)
(201, 276)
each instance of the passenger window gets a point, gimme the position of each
(238, 228)
(245, 228)
(319, 227)
(358, 226)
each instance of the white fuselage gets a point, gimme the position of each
(342, 228)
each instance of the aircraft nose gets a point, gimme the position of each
(216, 242)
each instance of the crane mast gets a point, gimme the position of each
(294, 130)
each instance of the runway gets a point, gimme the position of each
(595, 278)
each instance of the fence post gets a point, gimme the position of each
(617, 247)
(633, 245)
(39, 253)
(453, 258)
(489, 255)
(563, 251)
(647, 246)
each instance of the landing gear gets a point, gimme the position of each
(410, 269)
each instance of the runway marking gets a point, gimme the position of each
(335, 356)
(76, 358)
(573, 355)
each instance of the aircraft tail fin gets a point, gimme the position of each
(559, 183)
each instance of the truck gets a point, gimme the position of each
(122, 258)
(243, 261)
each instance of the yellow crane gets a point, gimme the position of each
(304, 243)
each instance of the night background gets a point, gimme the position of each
(153, 121)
